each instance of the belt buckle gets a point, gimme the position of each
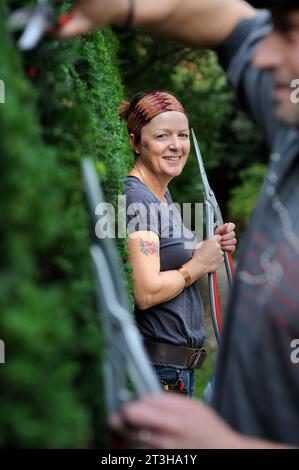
(195, 357)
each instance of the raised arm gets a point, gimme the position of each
(205, 23)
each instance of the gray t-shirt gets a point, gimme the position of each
(257, 381)
(178, 321)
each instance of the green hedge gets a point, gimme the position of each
(51, 386)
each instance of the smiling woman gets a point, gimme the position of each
(165, 147)
(166, 261)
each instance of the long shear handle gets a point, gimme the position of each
(215, 305)
(214, 294)
(229, 266)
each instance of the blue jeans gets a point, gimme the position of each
(171, 375)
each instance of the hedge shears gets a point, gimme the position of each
(213, 219)
(127, 369)
(35, 22)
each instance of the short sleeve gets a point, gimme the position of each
(142, 211)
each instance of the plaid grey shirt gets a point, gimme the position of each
(257, 383)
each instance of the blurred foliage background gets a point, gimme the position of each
(61, 105)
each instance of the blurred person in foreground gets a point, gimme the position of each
(255, 402)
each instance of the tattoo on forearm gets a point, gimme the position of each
(148, 248)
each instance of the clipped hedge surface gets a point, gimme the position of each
(51, 386)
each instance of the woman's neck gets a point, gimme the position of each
(150, 181)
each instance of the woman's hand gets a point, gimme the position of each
(228, 236)
(207, 257)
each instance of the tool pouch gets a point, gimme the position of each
(177, 387)
(174, 388)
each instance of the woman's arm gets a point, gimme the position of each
(153, 286)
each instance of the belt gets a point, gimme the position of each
(177, 355)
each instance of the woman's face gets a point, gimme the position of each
(164, 145)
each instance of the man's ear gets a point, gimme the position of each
(133, 143)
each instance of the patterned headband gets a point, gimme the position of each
(149, 107)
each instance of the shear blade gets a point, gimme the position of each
(34, 31)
